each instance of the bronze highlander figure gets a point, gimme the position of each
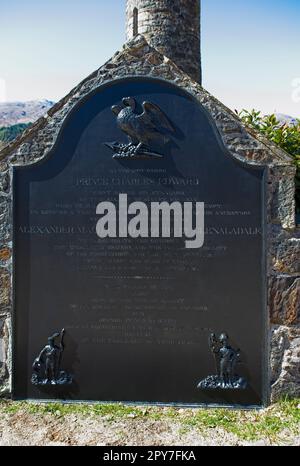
(226, 359)
(47, 366)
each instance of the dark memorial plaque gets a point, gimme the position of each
(119, 297)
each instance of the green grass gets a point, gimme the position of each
(60, 409)
(250, 425)
(247, 425)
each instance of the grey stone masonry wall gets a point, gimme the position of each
(172, 27)
(137, 57)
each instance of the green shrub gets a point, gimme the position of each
(285, 136)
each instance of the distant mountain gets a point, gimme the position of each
(13, 113)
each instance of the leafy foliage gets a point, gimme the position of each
(9, 133)
(285, 136)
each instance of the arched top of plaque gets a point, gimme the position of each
(137, 122)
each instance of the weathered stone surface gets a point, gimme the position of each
(5, 254)
(284, 300)
(5, 225)
(287, 256)
(282, 199)
(4, 181)
(172, 27)
(285, 362)
(4, 357)
(283, 251)
(5, 298)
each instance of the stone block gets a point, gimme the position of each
(4, 342)
(284, 300)
(287, 256)
(5, 290)
(285, 362)
(282, 197)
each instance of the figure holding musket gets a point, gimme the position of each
(47, 366)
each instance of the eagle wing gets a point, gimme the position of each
(153, 116)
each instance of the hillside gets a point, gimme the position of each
(13, 113)
(9, 133)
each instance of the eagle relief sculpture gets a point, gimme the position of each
(151, 127)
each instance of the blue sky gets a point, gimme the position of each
(250, 49)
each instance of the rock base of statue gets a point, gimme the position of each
(214, 382)
(129, 151)
(62, 379)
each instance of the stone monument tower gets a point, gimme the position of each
(170, 26)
